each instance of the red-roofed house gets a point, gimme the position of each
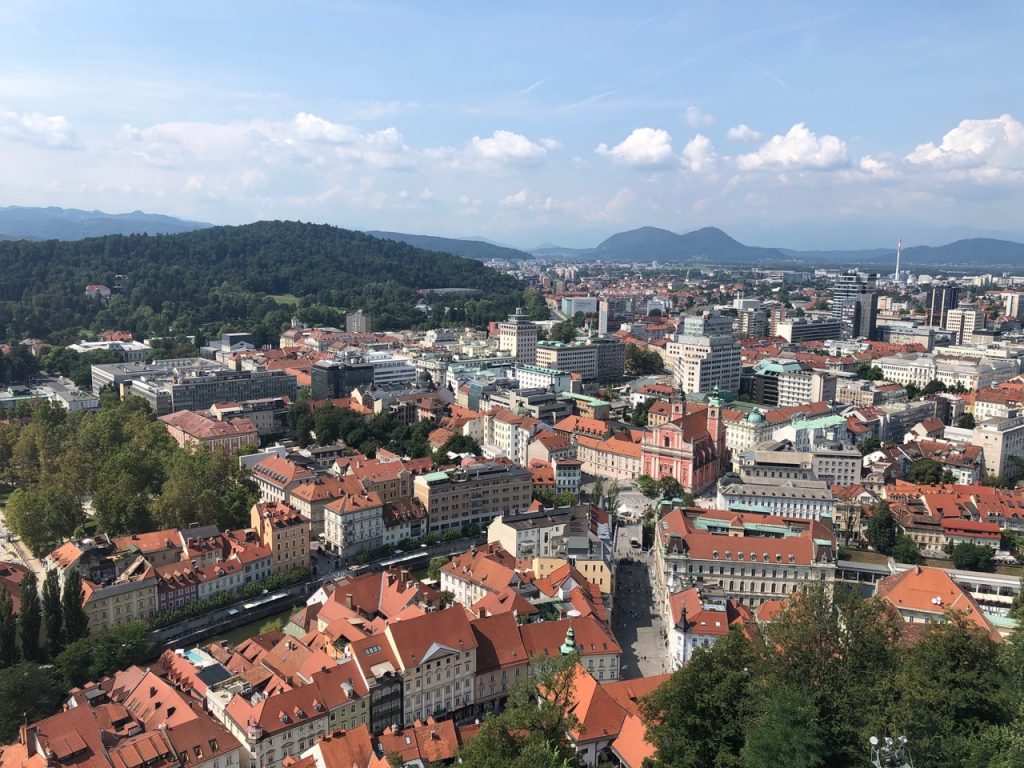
(701, 617)
(190, 429)
(924, 595)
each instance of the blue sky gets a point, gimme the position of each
(791, 124)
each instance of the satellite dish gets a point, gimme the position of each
(573, 614)
(874, 741)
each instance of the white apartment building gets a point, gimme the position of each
(963, 321)
(921, 368)
(354, 523)
(518, 337)
(535, 377)
(799, 387)
(509, 434)
(785, 498)
(705, 355)
(577, 357)
(1001, 440)
(751, 557)
(390, 369)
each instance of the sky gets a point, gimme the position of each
(804, 125)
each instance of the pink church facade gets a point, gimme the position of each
(689, 448)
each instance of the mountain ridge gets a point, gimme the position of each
(712, 245)
(18, 222)
(469, 248)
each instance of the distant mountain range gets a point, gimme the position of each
(24, 223)
(480, 249)
(712, 246)
(709, 245)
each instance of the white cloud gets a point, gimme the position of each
(550, 143)
(470, 205)
(507, 147)
(310, 127)
(306, 139)
(36, 128)
(798, 149)
(997, 143)
(699, 155)
(743, 132)
(618, 202)
(695, 118)
(514, 201)
(643, 148)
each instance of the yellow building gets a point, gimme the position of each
(129, 598)
(284, 532)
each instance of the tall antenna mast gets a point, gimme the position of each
(899, 252)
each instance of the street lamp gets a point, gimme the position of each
(890, 753)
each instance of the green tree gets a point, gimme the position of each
(929, 472)
(434, 569)
(89, 658)
(456, 444)
(43, 516)
(327, 423)
(906, 551)
(53, 613)
(869, 445)
(1017, 606)
(8, 630)
(125, 487)
(672, 489)
(933, 387)
(611, 499)
(913, 391)
(700, 716)
(950, 686)
(973, 557)
(204, 486)
(28, 692)
(30, 618)
(647, 486)
(840, 655)
(640, 412)
(882, 529)
(76, 623)
(642, 362)
(785, 734)
(966, 421)
(564, 331)
(870, 372)
(530, 732)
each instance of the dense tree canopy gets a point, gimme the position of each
(121, 459)
(642, 362)
(882, 529)
(224, 278)
(811, 688)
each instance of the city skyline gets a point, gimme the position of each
(784, 126)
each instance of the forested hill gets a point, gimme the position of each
(470, 249)
(228, 277)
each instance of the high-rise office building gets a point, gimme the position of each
(942, 297)
(705, 355)
(336, 378)
(518, 337)
(855, 304)
(963, 321)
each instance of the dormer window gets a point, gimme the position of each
(715, 554)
